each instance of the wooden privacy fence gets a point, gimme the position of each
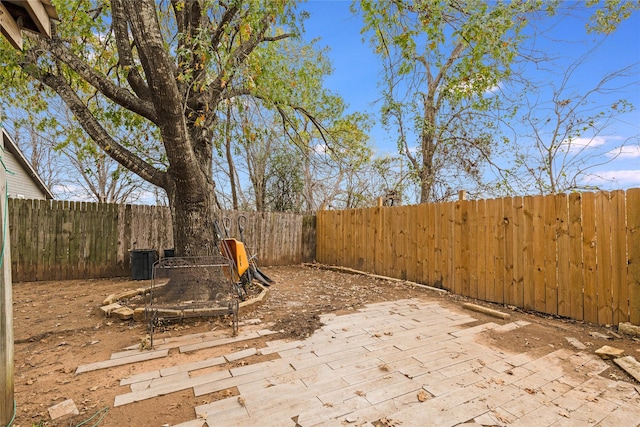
(575, 255)
(56, 240)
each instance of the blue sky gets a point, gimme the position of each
(356, 73)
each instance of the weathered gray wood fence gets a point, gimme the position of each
(56, 240)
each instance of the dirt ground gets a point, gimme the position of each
(58, 326)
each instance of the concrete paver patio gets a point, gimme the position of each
(409, 363)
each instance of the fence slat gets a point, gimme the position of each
(619, 288)
(518, 252)
(575, 283)
(458, 251)
(539, 253)
(41, 206)
(603, 256)
(550, 256)
(474, 237)
(481, 249)
(563, 245)
(528, 266)
(589, 266)
(633, 247)
(449, 220)
(495, 238)
(438, 246)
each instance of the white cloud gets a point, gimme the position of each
(321, 148)
(493, 89)
(579, 144)
(620, 179)
(626, 152)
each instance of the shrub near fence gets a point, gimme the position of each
(575, 255)
(56, 240)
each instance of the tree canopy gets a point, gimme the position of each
(446, 66)
(151, 84)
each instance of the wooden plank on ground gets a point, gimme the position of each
(630, 365)
(576, 282)
(633, 247)
(150, 355)
(171, 387)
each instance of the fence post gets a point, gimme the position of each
(6, 310)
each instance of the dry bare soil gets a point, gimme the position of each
(59, 326)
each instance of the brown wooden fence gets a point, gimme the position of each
(55, 240)
(575, 255)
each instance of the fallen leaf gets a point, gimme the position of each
(501, 418)
(422, 396)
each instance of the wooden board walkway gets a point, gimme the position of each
(409, 361)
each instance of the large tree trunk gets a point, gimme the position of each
(193, 222)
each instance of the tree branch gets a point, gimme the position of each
(95, 130)
(125, 54)
(117, 94)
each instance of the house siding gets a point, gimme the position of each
(19, 183)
